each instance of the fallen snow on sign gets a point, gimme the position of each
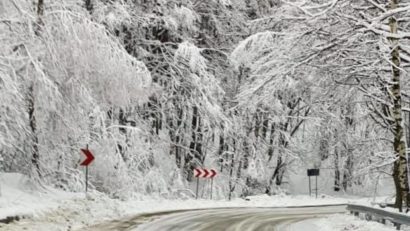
(339, 223)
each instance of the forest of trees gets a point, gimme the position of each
(256, 89)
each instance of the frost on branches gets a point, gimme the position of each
(259, 90)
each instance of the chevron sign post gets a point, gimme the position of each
(204, 173)
(89, 157)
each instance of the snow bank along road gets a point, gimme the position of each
(225, 219)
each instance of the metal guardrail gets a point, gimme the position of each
(380, 215)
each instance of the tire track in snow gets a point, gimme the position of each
(232, 219)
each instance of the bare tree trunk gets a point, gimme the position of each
(35, 157)
(348, 170)
(178, 139)
(122, 121)
(271, 140)
(281, 170)
(195, 156)
(280, 166)
(265, 126)
(399, 144)
(89, 6)
(221, 148)
(258, 122)
(337, 172)
(40, 8)
(40, 13)
(232, 181)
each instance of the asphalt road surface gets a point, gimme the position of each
(232, 219)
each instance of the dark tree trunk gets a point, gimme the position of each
(280, 171)
(280, 166)
(195, 155)
(271, 141)
(196, 143)
(337, 172)
(35, 156)
(257, 119)
(276, 173)
(232, 182)
(348, 171)
(265, 126)
(246, 148)
(40, 11)
(399, 143)
(122, 121)
(221, 150)
(40, 14)
(89, 6)
(178, 139)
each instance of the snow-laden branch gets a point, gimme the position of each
(390, 13)
(306, 10)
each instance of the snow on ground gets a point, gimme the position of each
(50, 209)
(339, 222)
(76, 213)
(20, 197)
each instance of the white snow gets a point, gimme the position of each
(49, 209)
(339, 222)
(20, 197)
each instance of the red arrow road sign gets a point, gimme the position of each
(89, 157)
(204, 173)
(213, 173)
(197, 172)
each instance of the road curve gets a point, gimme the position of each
(226, 219)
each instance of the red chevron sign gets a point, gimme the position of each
(204, 173)
(89, 157)
(212, 174)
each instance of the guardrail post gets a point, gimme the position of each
(383, 221)
(368, 217)
(397, 226)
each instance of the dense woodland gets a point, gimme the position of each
(257, 89)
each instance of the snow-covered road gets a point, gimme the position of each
(231, 219)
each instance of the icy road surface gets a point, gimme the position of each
(232, 219)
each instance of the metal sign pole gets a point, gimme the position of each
(316, 187)
(86, 179)
(313, 172)
(197, 187)
(89, 158)
(86, 175)
(212, 181)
